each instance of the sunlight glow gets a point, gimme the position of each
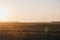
(3, 13)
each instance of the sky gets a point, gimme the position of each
(31, 10)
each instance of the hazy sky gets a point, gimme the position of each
(32, 10)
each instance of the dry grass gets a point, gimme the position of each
(29, 31)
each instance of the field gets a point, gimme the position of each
(29, 31)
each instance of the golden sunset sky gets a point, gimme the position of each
(30, 10)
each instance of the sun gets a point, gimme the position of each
(3, 13)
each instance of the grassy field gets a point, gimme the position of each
(29, 31)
